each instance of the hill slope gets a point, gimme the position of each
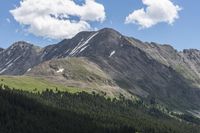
(78, 73)
(49, 112)
(35, 84)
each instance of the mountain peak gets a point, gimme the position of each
(109, 31)
(21, 44)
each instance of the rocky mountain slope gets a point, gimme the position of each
(1, 49)
(148, 70)
(185, 62)
(18, 58)
(80, 73)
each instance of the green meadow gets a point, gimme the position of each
(35, 84)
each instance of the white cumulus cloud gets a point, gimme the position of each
(157, 11)
(58, 19)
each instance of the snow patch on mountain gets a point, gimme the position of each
(82, 45)
(60, 70)
(112, 53)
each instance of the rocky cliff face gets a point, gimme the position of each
(18, 58)
(1, 49)
(193, 58)
(148, 70)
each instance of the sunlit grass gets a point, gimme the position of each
(35, 84)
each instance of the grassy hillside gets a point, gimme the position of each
(79, 69)
(34, 84)
(79, 73)
(41, 84)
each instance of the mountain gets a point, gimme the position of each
(107, 58)
(1, 49)
(18, 58)
(184, 62)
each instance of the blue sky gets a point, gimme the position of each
(184, 33)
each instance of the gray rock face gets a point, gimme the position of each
(66, 47)
(148, 70)
(1, 49)
(18, 58)
(193, 56)
(185, 63)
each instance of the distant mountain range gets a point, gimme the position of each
(107, 61)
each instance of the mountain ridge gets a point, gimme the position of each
(148, 70)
